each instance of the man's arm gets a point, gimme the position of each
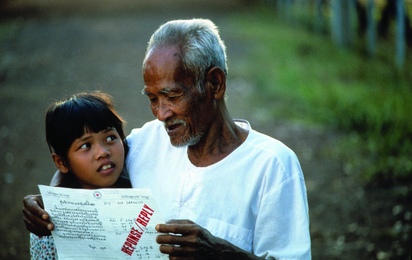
(34, 216)
(195, 242)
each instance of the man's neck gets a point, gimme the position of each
(222, 138)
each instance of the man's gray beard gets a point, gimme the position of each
(190, 141)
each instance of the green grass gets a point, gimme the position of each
(311, 80)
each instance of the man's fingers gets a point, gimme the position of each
(186, 240)
(180, 221)
(34, 220)
(34, 205)
(38, 229)
(177, 240)
(35, 217)
(178, 251)
(183, 229)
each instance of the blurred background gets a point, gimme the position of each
(329, 78)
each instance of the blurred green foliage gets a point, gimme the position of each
(7, 29)
(307, 78)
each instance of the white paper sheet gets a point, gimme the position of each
(103, 223)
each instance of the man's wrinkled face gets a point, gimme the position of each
(174, 98)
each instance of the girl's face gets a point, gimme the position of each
(96, 159)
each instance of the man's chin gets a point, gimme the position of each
(177, 144)
(191, 141)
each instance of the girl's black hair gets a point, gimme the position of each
(84, 112)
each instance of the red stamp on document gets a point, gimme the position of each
(137, 231)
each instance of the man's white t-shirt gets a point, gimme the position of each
(255, 198)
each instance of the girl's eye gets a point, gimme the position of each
(111, 138)
(85, 146)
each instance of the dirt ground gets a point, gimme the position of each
(54, 50)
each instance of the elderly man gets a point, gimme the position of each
(227, 191)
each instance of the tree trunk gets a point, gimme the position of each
(371, 28)
(341, 22)
(400, 33)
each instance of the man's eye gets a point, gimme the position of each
(175, 97)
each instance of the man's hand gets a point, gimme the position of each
(35, 217)
(190, 241)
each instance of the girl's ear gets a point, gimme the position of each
(57, 159)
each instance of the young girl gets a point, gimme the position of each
(86, 138)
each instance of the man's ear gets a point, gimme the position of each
(217, 81)
(57, 159)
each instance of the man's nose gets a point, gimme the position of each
(164, 111)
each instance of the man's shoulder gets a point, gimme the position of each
(150, 126)
(261, 143)
(264, 140)
(270, 151)
(150, 133)
(264, 144)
